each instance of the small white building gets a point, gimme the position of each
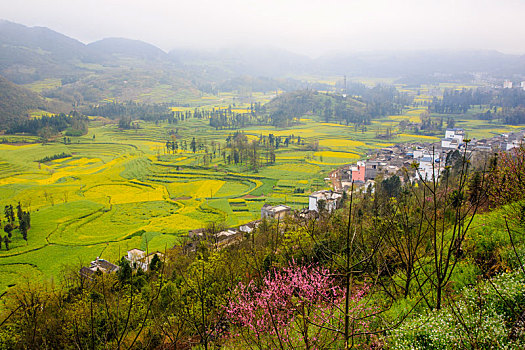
(453, 138)
(330, 198)
(418, 153)
(275, 212)
(226, 234)
(135, 255)
(450, 143)
(507, 84)
(138, 258)
(455, 133)
(512, 144)
(429, 168)
(248, 228)
(98, 265)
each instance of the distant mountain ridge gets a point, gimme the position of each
(51, 48)
(116, 68)
(30, 54)
(126, 69)
(126, 47)
(423, 62)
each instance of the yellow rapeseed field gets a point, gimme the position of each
(125, 193)
(336, 125)
(331, 154)
(411, 118)
(194, 189)
(349, 144)
(419, 136)
(172, 223)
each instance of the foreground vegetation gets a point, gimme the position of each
(429, 265)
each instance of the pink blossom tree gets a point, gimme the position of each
(295, 307)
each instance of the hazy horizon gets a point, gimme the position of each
(312, 28)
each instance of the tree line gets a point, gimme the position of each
(282, 111)
(22, 222)
(47, 126)
(130, 110)
(506, 105)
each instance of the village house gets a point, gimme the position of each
(98, 265)
(275, 212)
(330, 198)
(357, 172)
(225, 237)
(453, 138)
(371, 169)
(139, 259)
(220, 239)
(249, 227)
(429, 168)
(514, 141)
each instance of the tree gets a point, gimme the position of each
(292, 308)
(23, 229)
(391, 186)
(448, 218)
(6, 241)
(9, 214)
(19, 211)
(321, 206)
(205, 289)
(451, 123)
(507, 177)
(155, 263)
(125, 272)
(7, 229)
(193, 145)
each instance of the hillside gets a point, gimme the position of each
(65, 69)
(15, 101)
(32, 54)
(111, 48)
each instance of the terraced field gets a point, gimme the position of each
(120, 190)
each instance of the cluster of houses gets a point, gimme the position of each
(430, 157)
(320, 200)
(508, 84)
(387, 161)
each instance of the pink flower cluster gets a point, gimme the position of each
(292, 304)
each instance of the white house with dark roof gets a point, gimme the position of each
(100, 265)
(275, 212)
(429, 168)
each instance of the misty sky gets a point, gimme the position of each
(312, 27)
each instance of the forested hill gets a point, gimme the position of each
(372, 103)
(31, 54)
(286, 108)
(15, 101)
(75, 73)
(111, 47)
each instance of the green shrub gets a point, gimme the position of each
(482, 318)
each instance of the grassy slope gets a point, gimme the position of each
(15, 102)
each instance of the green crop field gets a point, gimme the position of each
(120, 189)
